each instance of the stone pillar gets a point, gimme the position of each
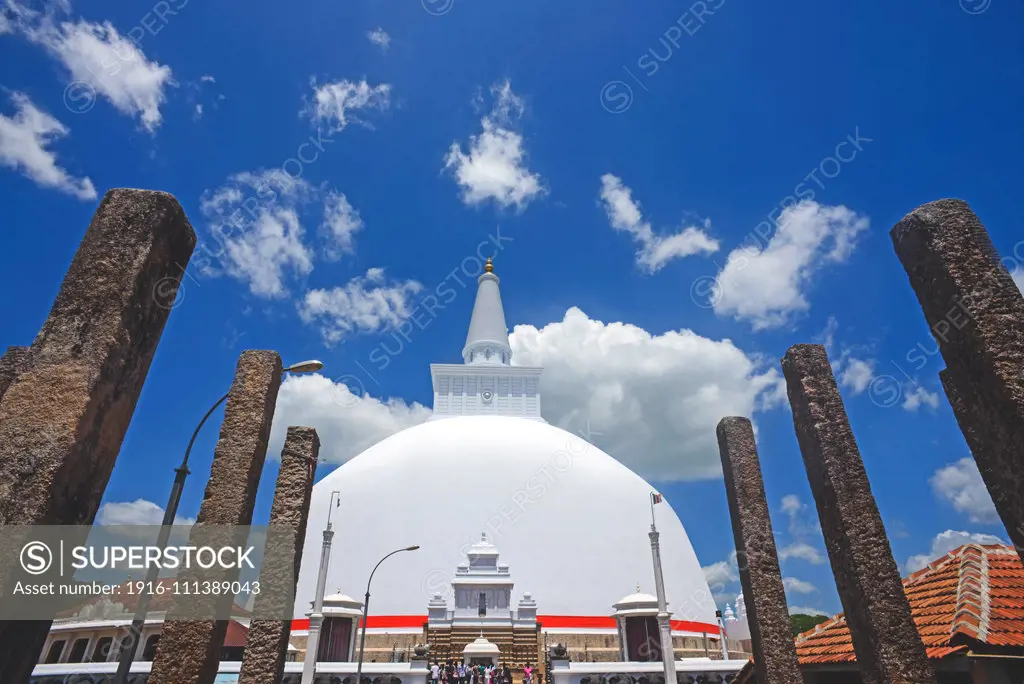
(266, 645)
(976, 314)
(12, 364)
(189, 650)
(774, 653)
(62, 420)
(885, 640)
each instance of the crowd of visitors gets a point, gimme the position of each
(459, 673)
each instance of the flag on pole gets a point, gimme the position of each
(655, 498)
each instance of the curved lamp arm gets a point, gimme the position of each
(188, 450)
(409, 548)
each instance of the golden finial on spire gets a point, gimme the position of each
(489, 266)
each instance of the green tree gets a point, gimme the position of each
(801, 623)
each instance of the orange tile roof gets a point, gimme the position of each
(972, 595)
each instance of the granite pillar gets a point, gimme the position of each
(775, 658)
(189, 649)
(12, 364)
(62, 420)
(885, 639)
(266, 645)
(976, 314)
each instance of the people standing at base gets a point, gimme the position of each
(435, 672)
(528, 674)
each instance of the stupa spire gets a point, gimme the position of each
(487, 341)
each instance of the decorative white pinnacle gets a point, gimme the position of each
(487, 341)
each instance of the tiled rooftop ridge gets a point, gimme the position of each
(973, 594)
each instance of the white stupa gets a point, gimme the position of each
(571, 521)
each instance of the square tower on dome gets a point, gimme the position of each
(486, 383)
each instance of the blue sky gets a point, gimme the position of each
(639, 160)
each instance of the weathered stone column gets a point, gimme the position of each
(12, 364)
(189, 649)
(774, 652)
(62, 420)
(266, 645)
(976, 314)
(886, 641)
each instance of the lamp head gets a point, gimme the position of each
(411, 548)
(310, 366)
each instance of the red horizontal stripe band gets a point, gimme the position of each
(552, 621)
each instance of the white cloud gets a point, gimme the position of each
(827, 336)
(336, 102)
(960, 484)
(346, 422)
(803, 551)
(112, 65)
(791, 504)
(653, 401)
(1018, 277)
(798, 586)
(766, 285)
(945, 542)
(806, 610)
(206, 78)
(198, 112)
(272, 246)
(494, 166)
(655, 250)
(17, 17)
(341, 222)
(720, 573)
(801, 520)
(255, 218)
(379, 36)
(857, 374)
(24, 139)
(366, 304)
(138, 512)
(913, 399)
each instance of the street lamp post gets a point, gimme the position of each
(130, 643)
(366, 610)
(721, 629)
(668, 656)
(316, 616)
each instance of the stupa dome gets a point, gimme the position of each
(569, 519)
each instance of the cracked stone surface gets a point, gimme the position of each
(775, 658)
(189, 649)
(976, 314)
(886, 641)
(266, 645)
(13, 363)
(64, 415)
